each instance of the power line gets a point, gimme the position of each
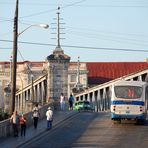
(47, 11)
(82, 47)
(115, 6)
(108, 32)
(111, 38)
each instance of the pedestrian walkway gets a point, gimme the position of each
(12, 142)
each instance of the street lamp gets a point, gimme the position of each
(14, 61)
(34, 25)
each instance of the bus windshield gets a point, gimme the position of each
(128, 92)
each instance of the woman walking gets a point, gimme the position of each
(23, 125)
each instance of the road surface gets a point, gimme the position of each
(92, 130)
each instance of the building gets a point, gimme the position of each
(90, 73)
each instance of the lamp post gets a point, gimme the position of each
(14, 58)
(14, 61)
(34, 25)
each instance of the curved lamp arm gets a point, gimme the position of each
(37, 25)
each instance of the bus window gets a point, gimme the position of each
(128, 92)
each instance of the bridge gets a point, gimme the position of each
(85, 129)
(46, 89)
(99, 95)
(45, 92)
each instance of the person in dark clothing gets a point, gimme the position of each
(71, 100)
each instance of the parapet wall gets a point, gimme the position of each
(6, 127)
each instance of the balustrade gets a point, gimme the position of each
(100, 95)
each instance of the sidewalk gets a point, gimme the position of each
(12, 142)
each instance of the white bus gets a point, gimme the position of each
(129, 101)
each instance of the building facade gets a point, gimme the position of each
(62, 75)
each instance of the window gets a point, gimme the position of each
(128, 92)
(73, 78)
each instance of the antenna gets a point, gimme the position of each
(58, 28)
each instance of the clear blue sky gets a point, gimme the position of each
(97, 25)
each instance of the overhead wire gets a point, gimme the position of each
(108, 32)
(50, 10)
(82, 47)
(110, 38)
(76, 4)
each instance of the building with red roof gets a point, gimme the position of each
(101, 72)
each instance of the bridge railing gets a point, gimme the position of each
(35, 92)
(100, 95)
(6, 127)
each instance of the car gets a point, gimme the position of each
(83, 106)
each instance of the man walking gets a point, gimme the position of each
(35, 115)
(49, 115)
(14, 119)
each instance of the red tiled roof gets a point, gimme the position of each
(101, 72)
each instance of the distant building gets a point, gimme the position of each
(91, 73)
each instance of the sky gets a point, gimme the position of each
(94, 30)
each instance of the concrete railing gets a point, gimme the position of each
(100, 95)
(6, 126)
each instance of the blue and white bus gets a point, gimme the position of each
(129, 101)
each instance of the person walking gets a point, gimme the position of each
(71, 100)
(35, 115)
(49, 115)
(14, 119)
(23, 125)
(62, 101)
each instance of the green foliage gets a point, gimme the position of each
(3, 115)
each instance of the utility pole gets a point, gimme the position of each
(14, 59)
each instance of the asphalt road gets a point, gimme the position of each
(92, 130)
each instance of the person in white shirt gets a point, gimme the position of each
(14, 119)
(49, 115)
(35, 115)
(62, 101)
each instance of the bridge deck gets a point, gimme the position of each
(59, 116)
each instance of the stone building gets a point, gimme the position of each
(63, 76)
(58, 63)
(90, 74)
